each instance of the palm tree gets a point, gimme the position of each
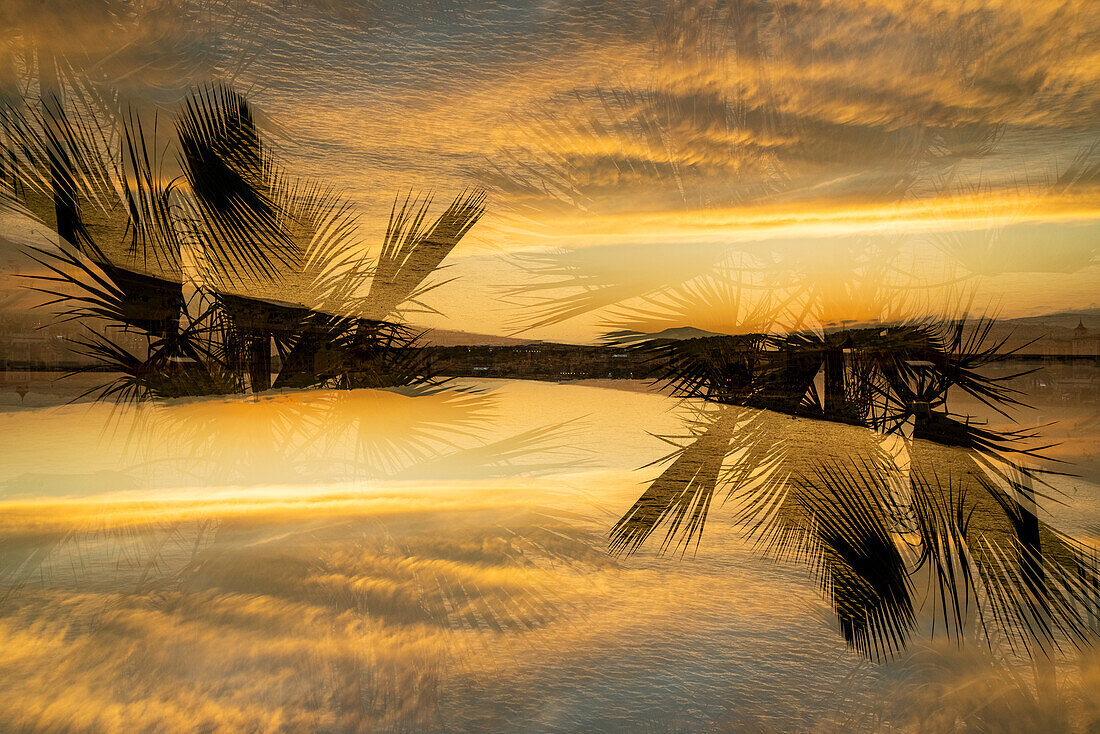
(204, 254)
(869, 519)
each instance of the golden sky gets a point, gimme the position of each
(681, 132)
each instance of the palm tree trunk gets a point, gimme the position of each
(259, 361)
(834, 382)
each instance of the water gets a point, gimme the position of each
(371, 561)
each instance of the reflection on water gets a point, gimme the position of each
(378, 561)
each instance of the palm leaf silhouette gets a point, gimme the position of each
(232, 176)
(412, 250)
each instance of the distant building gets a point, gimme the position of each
(1085, 343)
(1080, 343)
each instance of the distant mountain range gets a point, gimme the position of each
(455, 338)
(1088, 317)
(1058, 325)
(677, 333)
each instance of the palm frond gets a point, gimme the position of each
(681, 496)
(412, 250)
(148, 197)
(850, 546)
(232, 175)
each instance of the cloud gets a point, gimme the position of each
(673, 120)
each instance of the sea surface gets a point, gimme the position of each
(374, 560)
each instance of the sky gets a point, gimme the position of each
(649, 163)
